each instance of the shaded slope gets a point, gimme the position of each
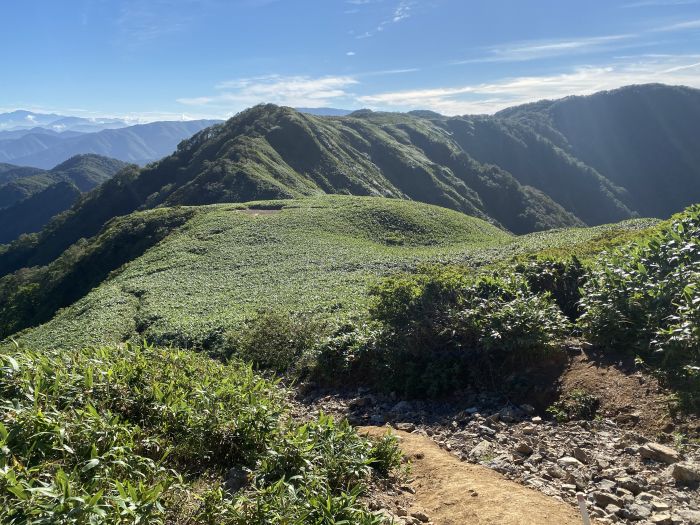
(83, 171)
(641, 138)
(10, 172)
(31, 214)
(535, 161)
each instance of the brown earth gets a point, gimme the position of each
(256, 212)
(632, 398)
(452, 492)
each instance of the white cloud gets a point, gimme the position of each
(681, 26)
(400, 12)
(350, 53)
(493, 96)
(659, 3)
(531, 50)
(283, 90)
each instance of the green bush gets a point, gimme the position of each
(276, 340)
(131, 434)
(575, 405)
(444, 328)
(646, 298)
(345, 356)
(562, 278)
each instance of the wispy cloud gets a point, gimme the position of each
(531, 50)
(236, 94)
(659, 3)
(398, 13)
(493, 96)
(140, 23)
(542, 49)
(680, 26)
(388, 72)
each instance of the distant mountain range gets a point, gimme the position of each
(140, 144)
(22, 119)
(30, 197)
(325, 112)
(578, 161)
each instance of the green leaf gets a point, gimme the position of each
(90, 465)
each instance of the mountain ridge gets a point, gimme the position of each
(516, 169)
(137, 144)
(31, 197)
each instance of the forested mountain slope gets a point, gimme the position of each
(517, 169)
(31, 197)
(641, 138)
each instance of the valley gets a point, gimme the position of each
(209, 338)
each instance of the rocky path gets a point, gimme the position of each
(615, 460)
(447, 491)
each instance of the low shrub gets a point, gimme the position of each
(276, 340)
(131, 434)
(443, 329)
(575, 405)
(645, 298)
(562, 278)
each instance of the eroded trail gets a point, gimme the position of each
(452, 492)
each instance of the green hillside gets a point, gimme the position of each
(31, 214)
(640, 138)
(573, 162)
(31, 197)
(10, 172)
(226, 262)
(83, 171)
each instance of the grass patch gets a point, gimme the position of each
(315, 257)
(131, 434)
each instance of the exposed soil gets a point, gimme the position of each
(525, 466)
(260, 211)
(452, 492)
(630, 397)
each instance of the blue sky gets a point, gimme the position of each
(154, 59)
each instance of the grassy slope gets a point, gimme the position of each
(573, 162)
(315, 255)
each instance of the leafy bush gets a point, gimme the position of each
(646, 298)
(345, 356)
(312, 474)
(132, 434)
(275, 339)
(443, 328)
(562, 278)
(575, 405)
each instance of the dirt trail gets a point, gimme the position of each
(452, 492)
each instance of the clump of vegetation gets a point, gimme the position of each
(645, 298)
(562, 278)
(132, 434)
(442, 328)
(574, 406)
(275, 339)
